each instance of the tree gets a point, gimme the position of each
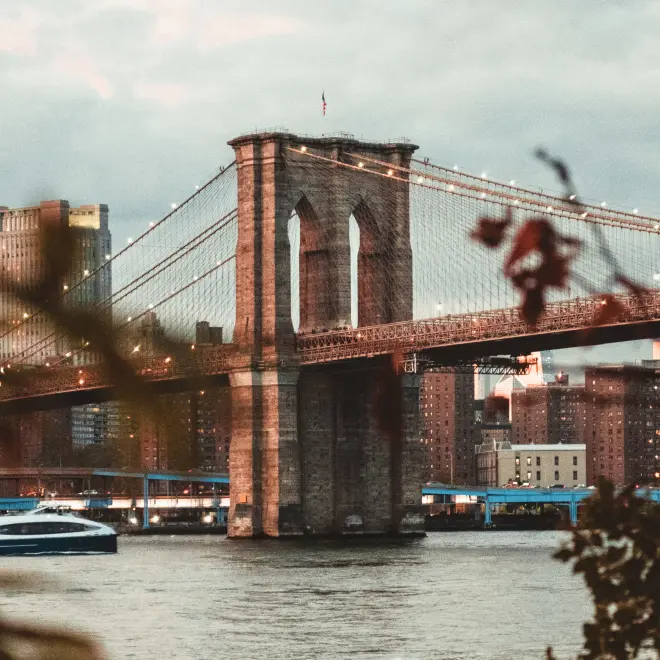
(617, 551)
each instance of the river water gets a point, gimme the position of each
(458, 595)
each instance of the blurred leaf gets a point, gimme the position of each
(610, 311)
(491, 231)
(46, 643)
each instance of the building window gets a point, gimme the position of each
(556, 460)
(556, 475)
(538, 475)
(575, 476)
(574, 460)
(529, 460)
(538, 461)
(529, 476)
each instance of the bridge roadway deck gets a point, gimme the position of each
(465, 336)
(496, 332)
(41, 388)
(87, 473)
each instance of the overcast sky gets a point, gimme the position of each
(131, 102)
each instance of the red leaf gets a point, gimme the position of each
(491, 232)
(610, 310)
(534, 235)
(537, 236)
(495, 406)
(553, 273)
(533, 305)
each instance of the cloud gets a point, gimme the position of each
(82, 67)
(232, 29)
(207, 30)
(471, 85)
(163, 93)
(19, 35)
(206, 25)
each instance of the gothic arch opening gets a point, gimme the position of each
(293, 230)
(313, 303)
(354, 242)
(373, 290)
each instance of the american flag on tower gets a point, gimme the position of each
(323, 104)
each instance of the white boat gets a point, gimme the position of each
(51, 530)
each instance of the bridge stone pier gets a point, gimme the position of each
(307, 452)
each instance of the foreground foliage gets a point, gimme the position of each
(617, 551)
(27, 641)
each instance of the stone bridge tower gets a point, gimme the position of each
(306, 454)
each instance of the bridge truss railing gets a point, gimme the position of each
(411, 336)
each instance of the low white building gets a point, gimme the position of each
(500, 463)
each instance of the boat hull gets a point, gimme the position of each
(57, 545)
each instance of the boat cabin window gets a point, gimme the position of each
(50, 509)
(34, 528)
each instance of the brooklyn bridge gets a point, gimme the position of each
(323, 259)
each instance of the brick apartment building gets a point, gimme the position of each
(622, 423)
(448, 427)
(552, 413)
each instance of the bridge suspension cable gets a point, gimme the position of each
(452, 274)
(186, 242)
(109, 303)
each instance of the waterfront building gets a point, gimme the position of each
(22, 261)
(190, 430)
(622, 423)
(448, 426)
(499, 463)
(549, 413)
(86, 284)
(213, 429)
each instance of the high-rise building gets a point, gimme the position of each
(22, 260)
(213, 429)
(548, 414)
(35, 340)
(484, 384)
(622, 423)
(448, 426)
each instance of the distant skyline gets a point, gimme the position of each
(131, 102)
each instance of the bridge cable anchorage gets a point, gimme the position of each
(460, 293)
